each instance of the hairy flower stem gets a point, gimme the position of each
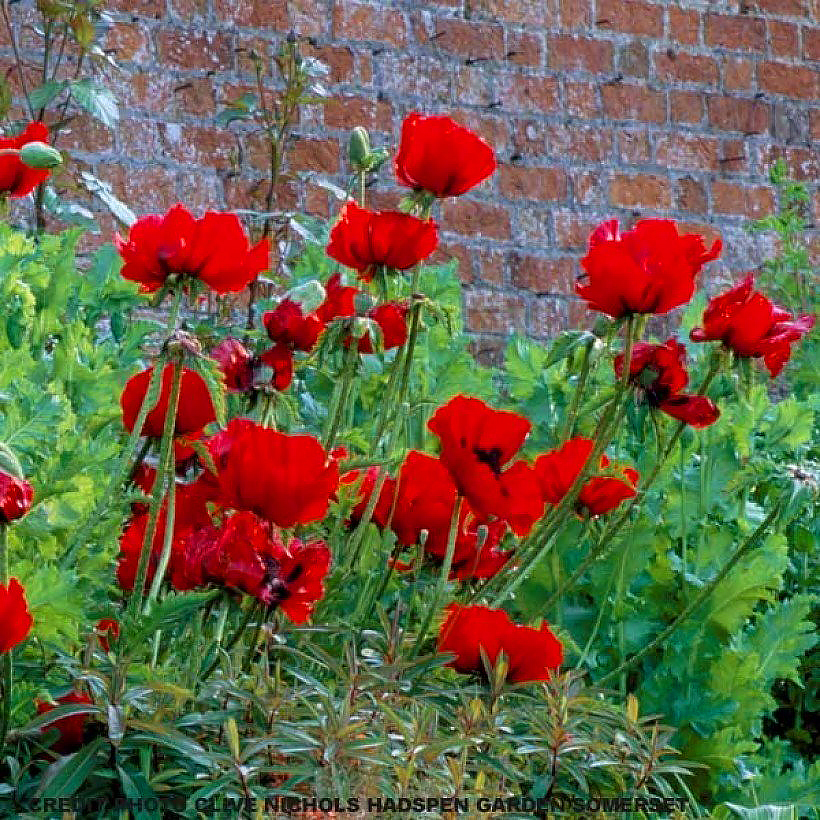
(8, 669)
(168, 541)
(345, 383)
(739, 553)
(438, 592)
(166, 462)
(578, 395)
(235, 638)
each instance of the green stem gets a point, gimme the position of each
(168, 541)
(166, 455)
(246, 619)
(739, 553)
(438, 593)
(246, 664)
(348, 373)
(569, 425)
(8, 670)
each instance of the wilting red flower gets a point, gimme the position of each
(195, 411)
(16, 495)
(659, 372)
(391, 317)
(287, 324)
(106, 627)
(650, 269)
(340, 300)
(287, 479)
(213, 249)
(751, 325)
(476, 444)
(557, 471)
(16, 178)
(602, 493)
(236, 363)
(15, 618)
(532, 654)
(438, 155)
(364, 240)
(71, 729)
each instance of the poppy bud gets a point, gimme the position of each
(358, 149)
(41, 156)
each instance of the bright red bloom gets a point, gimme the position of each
(340, 300)
(106, 627)
(71, 729)
(602, 493)
(476, 444)
(650, 269)
(659, 372)
(751, 325)
(532, 654)
(213, 249)
(16, 495)
(302, 571)
(279, 359)
(16, 178)
(236, 363)
(438, 155)
(391, 317)
(557, 471)
(287, 479)
(364, 240)
(15, 618)
(288, 325)
(195, 411)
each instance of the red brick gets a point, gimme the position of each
(783, 38)
(315, 155)
(189, 10)
(792, 8)
(201, 145)
(470, 218)
(591, 144)
(686, 106)
(738, 74)
(733, 156)
(253, 13)
(144, 8)
(535, 12)
(128, 41)
(463, 256)
(86, 134)
(547, 317)
(680, 150)
(633, 146)
(348, 112)
(493, 129)
(587, 188)
(491, 266)
(633, 102)
(354, 21)
(339, 61)
(541, 274)
(814, 123)
(629, 190)
(630, 16)
(525, 93)
(467, 39)
(811, 43)
(195, 50)
(575, 13)
(494, 311)
(568, 52)
(794, 81)
(471, 85)
(737, 114)
(684, 26)
(690, 195)
(525, 48)
(572, 229)
(738, 32)
(803, 163)
(582, 99)
(752, 201)
(539, 184)
(153, 188)
(251, 192)
(686, 68)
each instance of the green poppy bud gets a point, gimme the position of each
(41, 156)
(358, 148)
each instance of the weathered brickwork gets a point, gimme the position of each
(596, 108)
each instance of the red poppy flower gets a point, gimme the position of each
(236, 363)
(288, 325)
(106, 627)
(364, 491)
(476, 444)
(16, 495)
(391, 317)
(280, 360)
(364, 240)
(751, 325)
(650, 269)
(302, 571)
(602, 493)
(438, 155)
(14, 615)
(71, 729)
(195, 411)
(287, 479)
(16, 178)
(213, 249)
(340, 300)
(532, 654)
(658, 371)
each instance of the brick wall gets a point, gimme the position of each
(595, 108)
